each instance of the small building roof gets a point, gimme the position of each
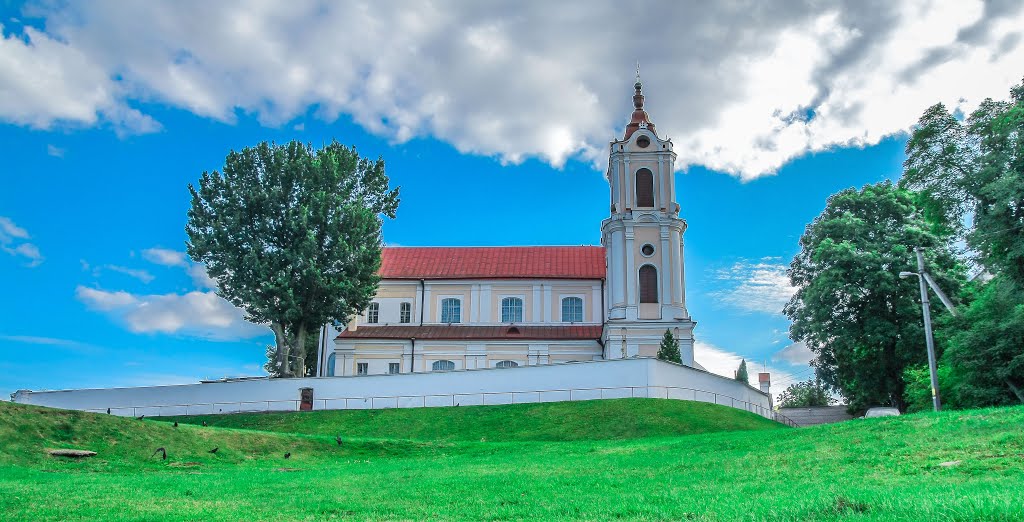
(533, 262)
(505, 332)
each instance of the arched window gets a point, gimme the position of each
(511, 310)
(373, 313)
(406, 313)
(572, 310)
(330, 365)
(451, 310)
(648, 284)
(506, 364)
(644, 188)
(442, 366)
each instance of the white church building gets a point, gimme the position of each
(453, 308)
(454, 326)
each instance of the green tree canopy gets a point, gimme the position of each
(669, 349)
(987, 350)
(805, 395)
(974, 171)
(862, 322)
(292, 235)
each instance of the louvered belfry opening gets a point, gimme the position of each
(648, 284)
(644, 188)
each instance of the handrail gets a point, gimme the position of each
(325, 403)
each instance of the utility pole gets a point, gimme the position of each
(926, 310)
(925, 281)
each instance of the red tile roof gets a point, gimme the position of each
(562, 333)
(539, 262)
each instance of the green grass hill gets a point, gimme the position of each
(553, 421)
(965, 465)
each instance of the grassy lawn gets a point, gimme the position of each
(583, 420)
(948, 466)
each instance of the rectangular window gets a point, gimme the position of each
(373, 313)
(361, 368)
(572, 310)
(406, 313)
(393, 368)
(451, 310)
(511, 310)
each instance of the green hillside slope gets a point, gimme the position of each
(948, 466)
(583, 420)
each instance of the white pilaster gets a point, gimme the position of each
(474, 304)
(667, 270)
(630, 274)
(627, 182)
(485, 304)
(536, 304)
(426, 305)
(547, 303)
(595, 308)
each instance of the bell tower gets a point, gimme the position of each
(643, 240)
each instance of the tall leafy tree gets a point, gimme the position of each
(669, 349)
(741, 372)
(805, 394)
(851, 309)
(292, 235)
(973, 171)
(987, 352)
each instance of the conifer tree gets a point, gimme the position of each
(669, 350)
(741, 372)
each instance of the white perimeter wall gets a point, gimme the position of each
(611, 379)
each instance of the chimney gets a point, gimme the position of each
(765, 380)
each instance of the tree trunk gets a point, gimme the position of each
(1016, 391)
(300, 351)
(283, 348)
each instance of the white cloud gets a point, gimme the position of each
(164, 256)
(199, 314)
(103, 300)
(139, 274)
(756, 287)
(739, 88)
(10, 231)
(47, 80)
(12, 242)
(200, 277)
(796, 353)
(51, 341)
(725, 363)
(54, 151)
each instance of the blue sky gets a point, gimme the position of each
(103, 123)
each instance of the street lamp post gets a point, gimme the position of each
(925, 281)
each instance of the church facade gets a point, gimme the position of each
(452, 308)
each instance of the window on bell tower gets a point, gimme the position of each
(648, 284)
(644, 188)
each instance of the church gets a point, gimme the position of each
(454, 308)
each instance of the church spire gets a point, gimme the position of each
(640, 119)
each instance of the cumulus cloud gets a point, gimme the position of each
(48, 80)
(167, 257)
(796, 353)
(200, 314)
(755, 287)
(723, 362)
(139, 274)
(740, 87)
(164, 256)
(12, 241)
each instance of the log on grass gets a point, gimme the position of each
(72, 453)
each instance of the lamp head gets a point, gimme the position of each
(904, 275)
